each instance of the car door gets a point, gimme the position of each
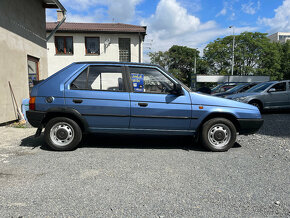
(152, 105)
(99, 93)
(278, 98)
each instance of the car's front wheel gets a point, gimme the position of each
(218, 134)
(62, 134)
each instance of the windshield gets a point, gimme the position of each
(217, 87)
(235, 88)
(259, 88)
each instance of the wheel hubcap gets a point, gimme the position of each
(62, 134)
(219, 135)
(257, 105)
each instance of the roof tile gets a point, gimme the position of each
(96, 27)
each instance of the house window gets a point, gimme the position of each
(33, 71)
(64, 45)
(124, 50)
(92, 45)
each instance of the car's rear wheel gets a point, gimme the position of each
(218, 134)
(62, 134)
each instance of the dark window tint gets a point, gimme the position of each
(247, 87)
(260, 87)
(81, 81)
(150, 81)
(100, 78)
(92, 45)
(64, 45)
(280, 87)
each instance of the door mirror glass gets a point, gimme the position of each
(272, 90)
(177, 89)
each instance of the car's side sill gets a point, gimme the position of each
(141, 131)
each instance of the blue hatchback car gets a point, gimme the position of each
(131, 98)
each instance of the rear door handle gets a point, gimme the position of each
(77, 101)
(142, 104)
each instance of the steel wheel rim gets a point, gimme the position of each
(215, 130)
(256, 105)
(63, 128)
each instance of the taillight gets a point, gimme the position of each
(32, 103)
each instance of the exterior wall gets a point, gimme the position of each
(22, 33)
(274, 37)
(280, 37)
(58, 61)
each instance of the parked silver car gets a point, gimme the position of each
(267, 95)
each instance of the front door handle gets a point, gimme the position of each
(142, 104)
(77, 101)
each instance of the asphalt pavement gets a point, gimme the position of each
(142, 176)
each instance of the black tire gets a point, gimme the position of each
(257, 104)
(222, 137)
(64, 128)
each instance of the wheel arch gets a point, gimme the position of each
(228, 116)
(258, 101)
(68, 113)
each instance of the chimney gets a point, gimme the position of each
(59, 15)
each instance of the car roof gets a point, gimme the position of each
(117, 63)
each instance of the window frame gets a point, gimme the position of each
(124, 77)
(86, 50)
(145, 67)
(64, 46)
(36, 61)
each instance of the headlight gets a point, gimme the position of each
(242, 99)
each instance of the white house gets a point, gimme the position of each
(93, 42)
(279, 37)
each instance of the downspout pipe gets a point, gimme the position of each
(140, 41)
(63, 10)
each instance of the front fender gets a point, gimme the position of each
(200, 114)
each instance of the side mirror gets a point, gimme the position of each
(177, 89)
(272, 90)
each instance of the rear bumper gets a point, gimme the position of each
(35, 117)
(249, 126)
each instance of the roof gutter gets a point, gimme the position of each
(63, 10)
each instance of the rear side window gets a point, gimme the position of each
(101, 78)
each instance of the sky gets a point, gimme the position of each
(192, 23)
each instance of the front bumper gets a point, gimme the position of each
(249, 126)
(35, 117)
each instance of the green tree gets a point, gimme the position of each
(254, 55)
(285, 60)
(160, 58)
(179, 60)
(182, 59)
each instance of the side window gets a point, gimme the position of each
(148, 80)
(100, 78)
(280, 87)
